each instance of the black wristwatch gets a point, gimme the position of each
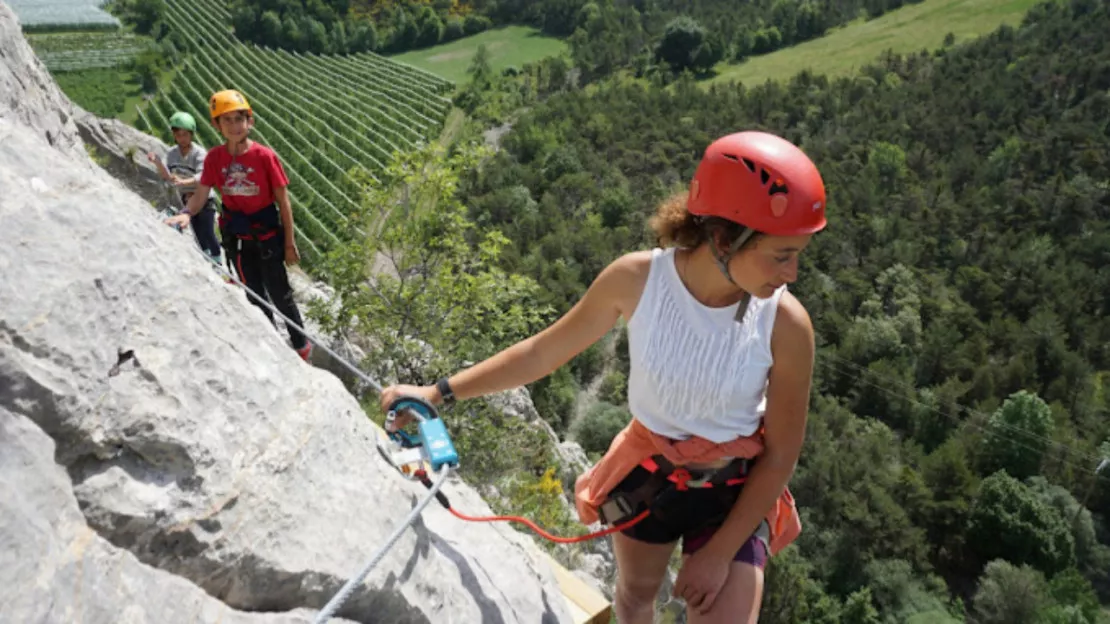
(445, 391)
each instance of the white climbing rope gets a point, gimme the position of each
(350, 586)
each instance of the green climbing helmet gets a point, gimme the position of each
(184, 121)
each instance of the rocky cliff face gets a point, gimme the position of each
(121, 150)
(213, 474)
(29, 95)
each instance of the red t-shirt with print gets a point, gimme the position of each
(246, 182)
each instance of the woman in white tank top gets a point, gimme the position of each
(719, 350)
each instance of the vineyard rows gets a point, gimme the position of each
(324, 115)
(96, 41)
(69, 51)
(70, 61)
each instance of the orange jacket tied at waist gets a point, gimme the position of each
(636, 443)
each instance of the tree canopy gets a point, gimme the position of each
(959, 295)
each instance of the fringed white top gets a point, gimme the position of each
(695, 370)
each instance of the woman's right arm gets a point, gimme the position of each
(613, 293)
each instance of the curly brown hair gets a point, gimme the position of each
(675, 226)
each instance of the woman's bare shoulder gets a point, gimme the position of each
(793, 332)
(624, 279)
(634, 262)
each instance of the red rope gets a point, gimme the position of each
(545, 534)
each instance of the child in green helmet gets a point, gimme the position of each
(183, 167)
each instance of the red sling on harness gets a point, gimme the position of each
(667, 478)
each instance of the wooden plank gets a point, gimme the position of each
(586, 604)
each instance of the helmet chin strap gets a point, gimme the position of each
(723, 259)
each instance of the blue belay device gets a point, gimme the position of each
(432, 437)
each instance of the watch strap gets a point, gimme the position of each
(445, 391)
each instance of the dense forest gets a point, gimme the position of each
(603, 34)
(960, 298)
(645, 35)
(341, 27)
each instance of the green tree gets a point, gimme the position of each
(270, 26)
(1009, 521)
(1008, 594)
(682, 43)
(858, 608)
(792, 595)
(953, 484)
(554, 397)
(427, 295)
(1075, 598)
(148, 66)
(601, 424)
(143, 14)
(614, 388)
(480, 71)
(1019, 434)
(899, 593)
(431, 28)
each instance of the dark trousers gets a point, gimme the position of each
(204, 228)
(261, 266)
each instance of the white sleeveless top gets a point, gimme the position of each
(694, 369)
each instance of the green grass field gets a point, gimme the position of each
(909, 29)
(511, 45)
(103, 91)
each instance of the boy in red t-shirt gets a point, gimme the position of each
(257, 219)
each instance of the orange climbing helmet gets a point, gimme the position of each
(761, 181)
(225, 102)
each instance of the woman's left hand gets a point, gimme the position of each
(701, 578)
(292, 255)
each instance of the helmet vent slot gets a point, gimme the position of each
(750, 164)
(763, 175)
(778, 187)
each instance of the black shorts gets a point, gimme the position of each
(693, 516)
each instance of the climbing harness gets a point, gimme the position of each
(666, 480)
(255, 228)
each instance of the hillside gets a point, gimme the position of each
(912, 28)
(511, 46)
(963, 275)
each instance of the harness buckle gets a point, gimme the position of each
(703, 481)
(616, 509)
(684, 479)
(681, 477)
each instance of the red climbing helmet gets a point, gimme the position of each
(761, 181)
